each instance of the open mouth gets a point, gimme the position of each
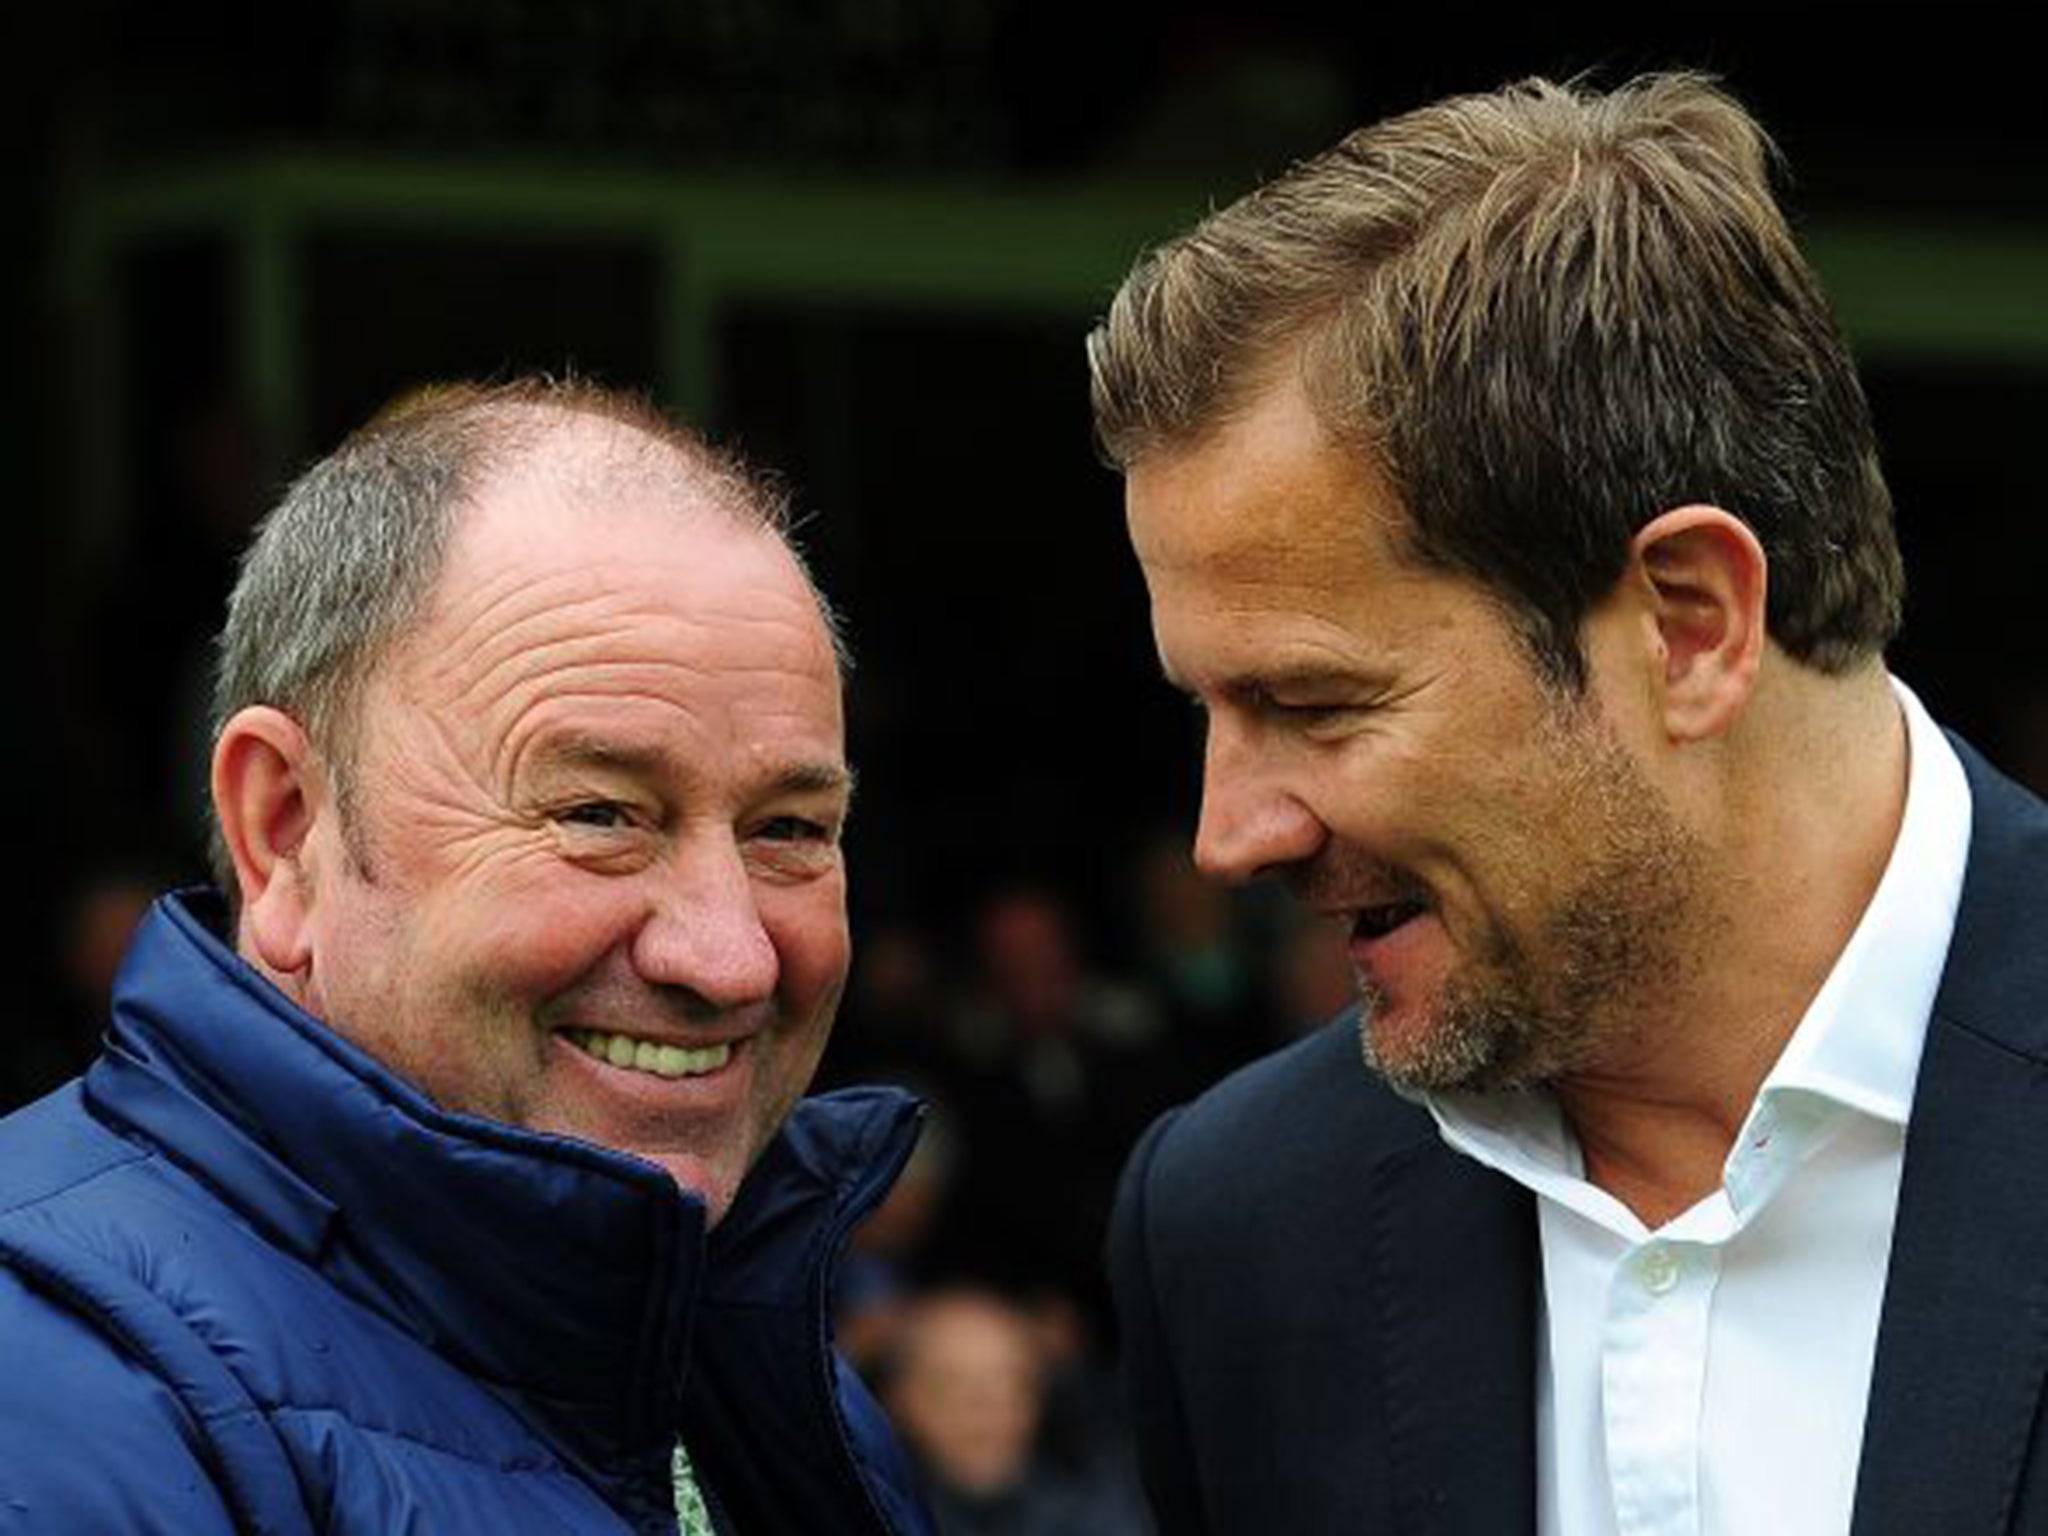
(670, 1061)
(1379, 921)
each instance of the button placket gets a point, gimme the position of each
(1652, 1370)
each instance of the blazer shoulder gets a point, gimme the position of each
(1995, 979)
(1281, 1124)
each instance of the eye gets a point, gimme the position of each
(1309, 715)
(795, 829)
(600, 815)
(1315, 720)
(1294, 711)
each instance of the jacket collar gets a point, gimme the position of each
(1454, 1257)
(560, 1271)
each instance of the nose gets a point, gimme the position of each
(704, 933)
(1252, 823)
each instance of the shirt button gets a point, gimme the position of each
(1658, 1271)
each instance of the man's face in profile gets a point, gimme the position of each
(591, 881)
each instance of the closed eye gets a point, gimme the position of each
(1294, 711)
(1308, 714)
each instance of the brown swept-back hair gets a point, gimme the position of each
(1549, 313)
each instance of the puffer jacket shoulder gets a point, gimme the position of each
(251, 1281)
(166, 1365)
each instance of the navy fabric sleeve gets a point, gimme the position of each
(91, 1441)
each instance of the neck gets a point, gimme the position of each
(1800, 805)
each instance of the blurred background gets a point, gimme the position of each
(862, 239)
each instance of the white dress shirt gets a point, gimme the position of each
(1709, 1378)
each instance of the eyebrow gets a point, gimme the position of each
(1243, 685)
(581, 749)
(1304, 677)
(815, 779)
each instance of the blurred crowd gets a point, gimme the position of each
(974, 1299)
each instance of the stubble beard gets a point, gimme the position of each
(1577, 994)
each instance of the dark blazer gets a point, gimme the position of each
(1329, 1317)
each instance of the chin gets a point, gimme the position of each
(711, 1187)
(1423, 1046)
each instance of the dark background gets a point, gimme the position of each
(931, 419)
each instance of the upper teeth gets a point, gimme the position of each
(646, 1056)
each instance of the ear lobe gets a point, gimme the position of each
(267, 791)
(1707, 576)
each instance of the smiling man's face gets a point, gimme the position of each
(591, 880)
(1513, 887)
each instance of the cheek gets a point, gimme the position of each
(807, 926)
(532, 938)
(360, 967)
(1384, 799)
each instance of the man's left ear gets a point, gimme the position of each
(1705, 573)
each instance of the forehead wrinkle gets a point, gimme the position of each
(596, 664)
(634, 744)
(581, 603)
(531, 744)
(610, 630)
(483, 579)
(488, 596)
(594, 667)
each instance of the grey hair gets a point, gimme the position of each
(345, 564)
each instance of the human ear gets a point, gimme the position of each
(267, 790)
(1706, 574)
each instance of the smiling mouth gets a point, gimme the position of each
(670, 1061)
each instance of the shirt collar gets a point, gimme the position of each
(1860, 1040)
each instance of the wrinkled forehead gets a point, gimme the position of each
(594, 581)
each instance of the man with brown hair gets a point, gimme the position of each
(1509, 505)
(446, 1170)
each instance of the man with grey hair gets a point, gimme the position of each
(450, 1174)
(1509, 505)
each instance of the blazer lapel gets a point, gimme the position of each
(1962, 1345)
(1454, 1260)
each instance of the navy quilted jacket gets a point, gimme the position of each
(251, 1281)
